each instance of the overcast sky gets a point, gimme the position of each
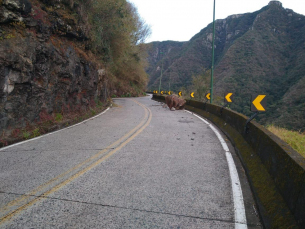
(180, 20)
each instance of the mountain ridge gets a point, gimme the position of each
(255, 53)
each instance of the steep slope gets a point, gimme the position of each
(65, 56)
(195, 56)
(43, 70)
(161, 55)
(255, 53)
(268, 59)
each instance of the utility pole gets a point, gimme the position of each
(169, 85)
(161, 77)
(161, 73)
(212, 68)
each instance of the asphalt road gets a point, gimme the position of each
(137, 165)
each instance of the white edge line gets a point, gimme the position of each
(239, 208)
(32, 139)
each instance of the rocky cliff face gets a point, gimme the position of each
(43, 66)
(162, 55)
(194, 56)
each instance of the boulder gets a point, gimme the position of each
(23, 6)
(174, 102)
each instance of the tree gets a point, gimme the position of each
(117, 35)
(201, 84)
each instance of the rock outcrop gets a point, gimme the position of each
(43, 66)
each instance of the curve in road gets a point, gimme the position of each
(138, 165)
(19, 204)
(239, 208)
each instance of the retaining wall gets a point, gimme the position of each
(275, 171)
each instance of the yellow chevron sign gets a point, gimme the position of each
(162, 92)
(180, 93)
(192, 94)
(169, 92)
(227, 97)
(258, 103)
(208, 96)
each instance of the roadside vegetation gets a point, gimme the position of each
(49, 123)
(113, 38)
(201, 84)
(294, 138)
(117, 36)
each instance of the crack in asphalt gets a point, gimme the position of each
(30, 150)
(126, 208)
(24, 150)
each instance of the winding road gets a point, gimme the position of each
(136, 165)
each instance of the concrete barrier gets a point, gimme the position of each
(275, 171)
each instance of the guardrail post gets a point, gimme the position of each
(249, 120)
(221, 109)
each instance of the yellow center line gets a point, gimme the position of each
(41, 187)
(124, 140)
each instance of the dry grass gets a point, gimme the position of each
(294, 138)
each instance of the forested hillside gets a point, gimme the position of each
(255, 53)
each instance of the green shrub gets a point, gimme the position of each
(98, 103)
(93, 112)
(36, 132)
(26, 135)
(58, 117)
